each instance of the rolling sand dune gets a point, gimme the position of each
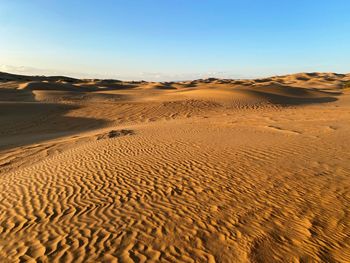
(212, 170)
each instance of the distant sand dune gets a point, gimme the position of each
(196, 171)
(37, 85)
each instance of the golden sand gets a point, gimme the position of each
(201, 171)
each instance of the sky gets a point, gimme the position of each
(162, 40)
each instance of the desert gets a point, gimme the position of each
(208, 170)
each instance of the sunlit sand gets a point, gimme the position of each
(198, 171)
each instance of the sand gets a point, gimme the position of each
(199, 171)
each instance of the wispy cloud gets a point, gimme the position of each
(148, 76)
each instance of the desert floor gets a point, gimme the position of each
(201, 171)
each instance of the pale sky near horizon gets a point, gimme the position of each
(174, 40)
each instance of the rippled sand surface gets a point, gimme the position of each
(202, 171)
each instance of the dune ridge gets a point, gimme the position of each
(211, 170)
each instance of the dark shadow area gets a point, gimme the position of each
(285, 100)
(192, 84)
(326, 91)
(302, 78)
(345, 85)
(117, 86)
(165, 87)
(24, 123)
(58, 86)
(263, 80)
(115, 133)
(16, 95)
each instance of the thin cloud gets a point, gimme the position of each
(147, 76)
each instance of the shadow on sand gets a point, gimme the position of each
(24, 123)
(295, 99)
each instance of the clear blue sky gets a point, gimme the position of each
(174, 39)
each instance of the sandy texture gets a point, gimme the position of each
(200, 171)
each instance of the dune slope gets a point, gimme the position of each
(201, 171)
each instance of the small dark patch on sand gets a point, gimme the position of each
(115, 133)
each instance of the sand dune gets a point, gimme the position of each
(212, 170)
(38, 85)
